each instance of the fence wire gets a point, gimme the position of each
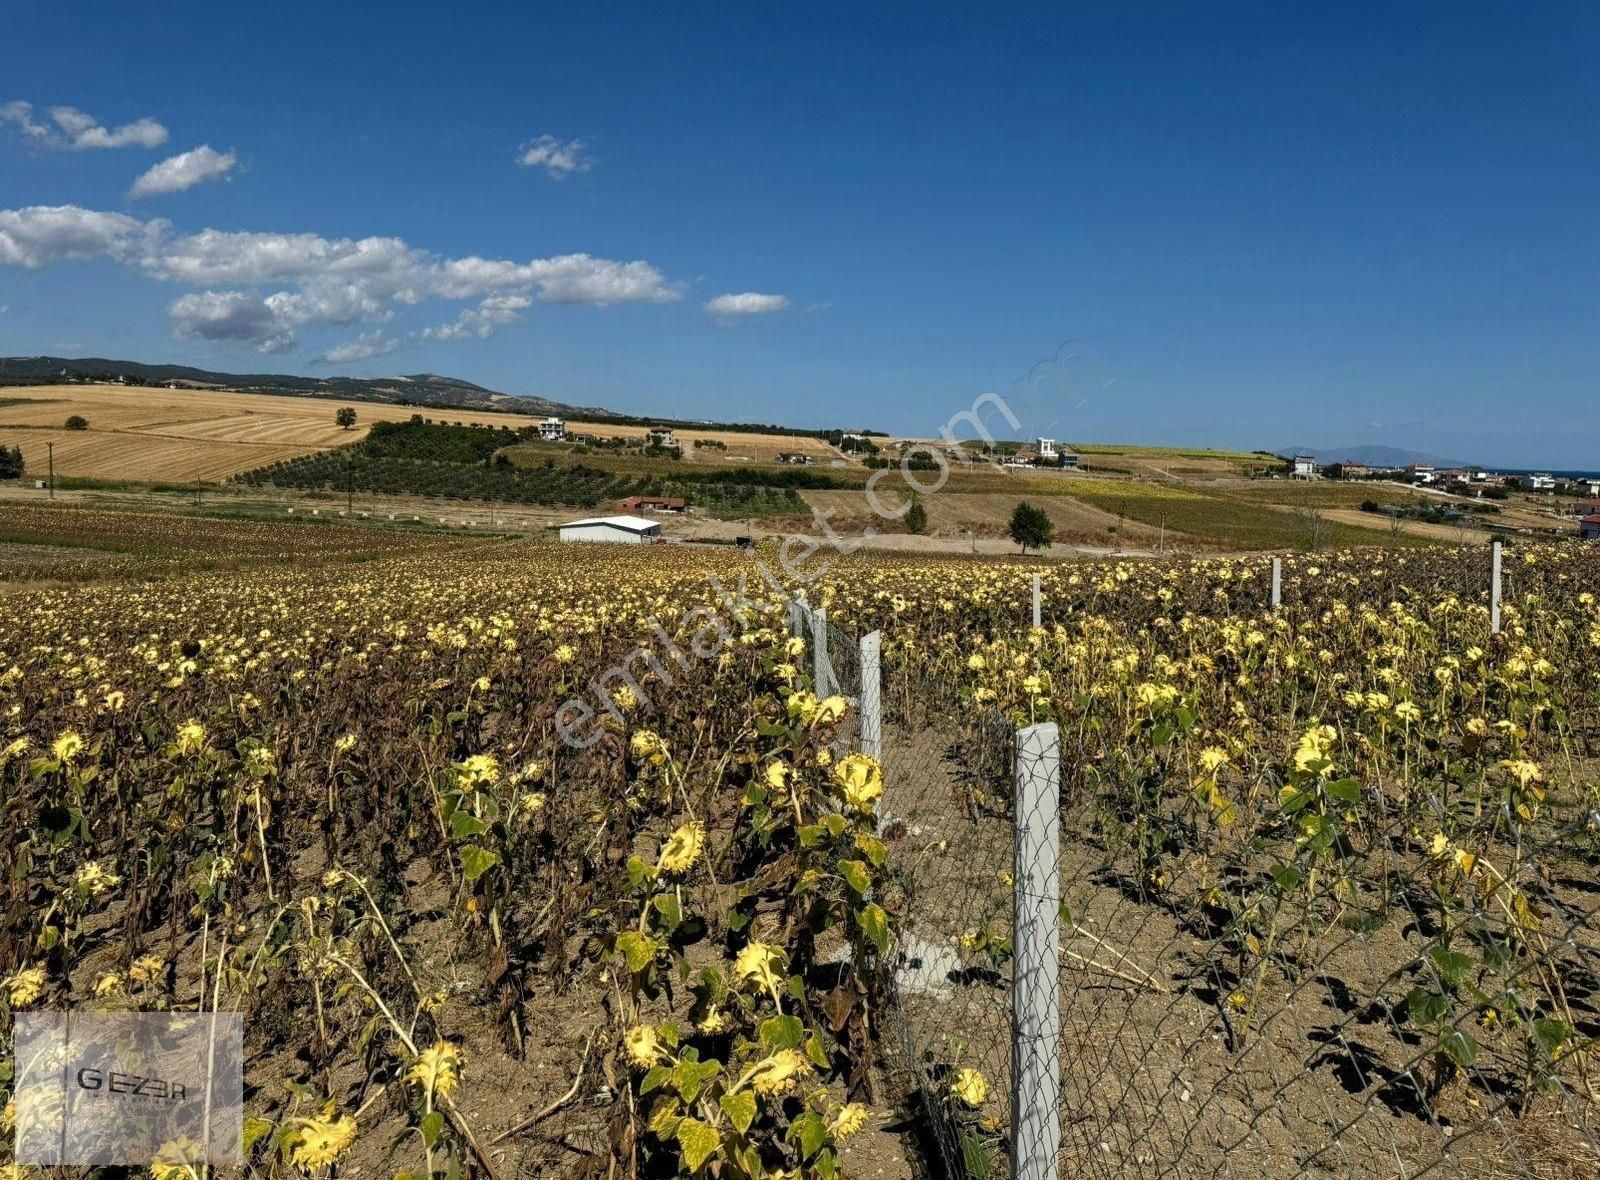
(1224, 1018)
(947, 814)
(1345, 981)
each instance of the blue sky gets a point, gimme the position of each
(1271, 224)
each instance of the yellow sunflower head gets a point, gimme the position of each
(682, 848)
(437, 1069)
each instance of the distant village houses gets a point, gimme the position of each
(1303, 467)
(1589, 528)
(1539, 481)
(552, 430)
(661, 436)
(798, 458)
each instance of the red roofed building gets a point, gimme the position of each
(1589, 528)
(651, 504)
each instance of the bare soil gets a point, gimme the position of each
(1161, 1078)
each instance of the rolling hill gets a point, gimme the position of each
(419, 389)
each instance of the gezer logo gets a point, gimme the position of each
(134, 1085)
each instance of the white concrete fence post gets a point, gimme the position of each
(1038, 602)
(871, 697)
(1494, 587)
(1277, 582)
(821, 669)
(797, 616)
(1036, 967)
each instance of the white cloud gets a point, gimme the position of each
(262, 287)
(230, 316)
(746, 303)
(184, 171)
(579, 278)
(43, 234)
(363, 347)
(20, 115)
(480, 322)
(79, 131)
(558, 158)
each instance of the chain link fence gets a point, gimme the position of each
(948, 816)
(1315, 996)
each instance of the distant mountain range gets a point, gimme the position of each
(420, 389)
(1372, 456)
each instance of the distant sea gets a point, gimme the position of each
(1543, 471)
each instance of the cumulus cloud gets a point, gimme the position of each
(559, 158)
(79, 131)
(260, 288)
(746, 303)
(184, 171)
(363, 347)
(480, 322)
(43, 234)
(231, 316)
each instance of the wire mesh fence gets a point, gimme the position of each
(1316, 1002)
(835, 664)
(1343, 978)
(948, 815)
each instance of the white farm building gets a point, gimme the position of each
(624, 530)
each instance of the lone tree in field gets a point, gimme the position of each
(11, 465)
(77, 422)
(1030, 526)
(345, 416)
(916, 517)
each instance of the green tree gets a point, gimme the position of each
(77, 422)
(11, 465)
(916, 517)
(345, 417)
(1030, 526)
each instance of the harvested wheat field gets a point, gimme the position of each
(144, 433)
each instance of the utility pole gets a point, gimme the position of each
(50, 447)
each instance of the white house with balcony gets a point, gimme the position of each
(1303, 466)
(1046, 447)
(552, 430)
(1539, 481)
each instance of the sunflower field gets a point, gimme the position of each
(521, 858)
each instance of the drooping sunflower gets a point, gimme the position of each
(969, 1086)
(321, 1140)
(437, 1069)
(682, 848)
(760, 964)
(858, 779)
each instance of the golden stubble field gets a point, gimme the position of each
(142, 433)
